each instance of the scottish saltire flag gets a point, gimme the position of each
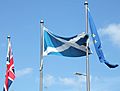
(70, 47)
(97, 42)
(10, 73)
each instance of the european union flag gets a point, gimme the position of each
(70, 47)
(97, 42)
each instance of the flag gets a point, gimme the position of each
(97, 42)
(10, 73)
(70, 47)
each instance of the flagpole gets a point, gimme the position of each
(41, 54)
(8, 37)
(87, 56)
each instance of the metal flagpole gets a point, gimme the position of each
(87, 56)
(41, 54)
(8, 37)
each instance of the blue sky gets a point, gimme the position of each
(20, 19)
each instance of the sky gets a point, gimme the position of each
(21, 20)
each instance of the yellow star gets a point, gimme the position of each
(93, 35)
(94, 41)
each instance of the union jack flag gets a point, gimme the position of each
(10, 73)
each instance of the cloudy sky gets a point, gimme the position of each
(21, 20)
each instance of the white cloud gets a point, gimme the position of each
(67, 82)
(79, 83)
(49, 80)
(113, 31)
(72, 81)
(23, 72)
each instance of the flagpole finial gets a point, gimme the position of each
(86, 3)
(41, 21)
(8, 37)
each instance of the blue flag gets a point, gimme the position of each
(97, 42)
(69, 47)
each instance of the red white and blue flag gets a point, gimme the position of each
(10, 73)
